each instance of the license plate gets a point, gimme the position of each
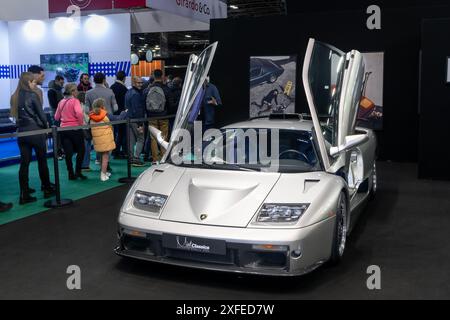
(192, 244)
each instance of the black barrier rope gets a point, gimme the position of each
(112, 123)
(58, 202)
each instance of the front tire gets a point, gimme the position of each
(340, 231)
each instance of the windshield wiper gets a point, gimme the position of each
(216, 166)
(229, 166)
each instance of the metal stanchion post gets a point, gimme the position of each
(58, 202)
(129, 178)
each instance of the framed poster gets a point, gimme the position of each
(272, 85)
(370, 113)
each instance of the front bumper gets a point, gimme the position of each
(141, 238)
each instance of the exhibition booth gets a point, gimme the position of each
(69, 41)
(102, 34)
(99, 43)
(94, 37)
(406, 55)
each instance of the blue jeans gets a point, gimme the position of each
(87, 155)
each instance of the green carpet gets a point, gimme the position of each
(75, 190)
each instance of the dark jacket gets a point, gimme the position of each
(175, 96)
(55, 95)
(166, 93)
(208, 110)
(31, 115)
(135, 104)
(120, 91)
(82, 88)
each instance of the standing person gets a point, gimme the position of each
(85, 84)
(103, 136)
(175, 97)
(39, 77)
(135, 104)
(120, 90)
(55, 95)
(102, 92)
(87, 138)
(169, 81)
(5, 207)
(211, 101)
(148, 83)
(70, 114)
(158, 104)
(26, 108)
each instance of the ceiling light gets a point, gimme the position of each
(234, 7)
(64, 27)
(34, 30)
(188, 36)
(96, 25)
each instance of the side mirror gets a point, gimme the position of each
(158, 136)
(350, 143)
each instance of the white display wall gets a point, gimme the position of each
(23, 9)
(4, 66)
(106, 38)
(161, 21)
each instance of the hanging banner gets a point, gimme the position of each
(202, 10)
(60, 6)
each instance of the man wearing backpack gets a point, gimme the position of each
(158, 105)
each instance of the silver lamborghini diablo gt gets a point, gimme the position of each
(270, 196)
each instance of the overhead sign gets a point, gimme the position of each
(202, 10)
(60, 6)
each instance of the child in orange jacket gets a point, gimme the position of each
(102, 136)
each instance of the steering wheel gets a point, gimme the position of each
(296, 152)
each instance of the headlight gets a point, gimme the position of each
(281, 213)
(149, 201)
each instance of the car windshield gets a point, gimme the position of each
(264, 150)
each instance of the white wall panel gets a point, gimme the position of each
(107, 41)
(23, 9)
(4, 61)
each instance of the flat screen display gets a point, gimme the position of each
(68, 65)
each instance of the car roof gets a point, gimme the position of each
(266, 123)
(263, 62)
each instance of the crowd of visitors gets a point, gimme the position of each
(75, 105)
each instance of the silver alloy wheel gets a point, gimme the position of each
(342, 225)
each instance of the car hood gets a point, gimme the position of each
(232, 198)
(218, 198)
(206, 197)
